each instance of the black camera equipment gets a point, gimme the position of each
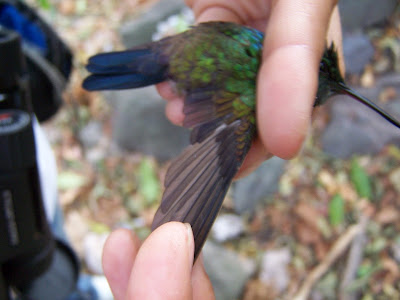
(48, 58)
(27, 244)
(33, 263)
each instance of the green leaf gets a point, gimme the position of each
(44, 4)
(365, 270)
(149, 185)
(142, 232)
(81, 6)
(70, 180)
(99, 228)
(376, 245)
(336, 210)
(360, 180)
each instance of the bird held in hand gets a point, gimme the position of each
(214, 66)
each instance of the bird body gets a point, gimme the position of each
(214, 67)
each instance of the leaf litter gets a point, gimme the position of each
(322, 205)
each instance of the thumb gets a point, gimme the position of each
(163, 266)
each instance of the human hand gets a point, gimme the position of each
(295, 37)
(161, 268)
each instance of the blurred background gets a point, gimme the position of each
(276, 225)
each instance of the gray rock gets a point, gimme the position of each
(228, 271)
(227, 227)
(139, 124)
(93, 244)
(274, 268)
(140, 30)
(96, 154)
(249, 191)
(358, 51)
(91, 134)
(356, 129)
(102, 288)
(359, 14)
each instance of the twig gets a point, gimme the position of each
(353, 262)
(336, 251)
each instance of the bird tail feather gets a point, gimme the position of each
(125, 70)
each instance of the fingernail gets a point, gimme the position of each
(190, 241)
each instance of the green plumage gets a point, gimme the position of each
(214, 67)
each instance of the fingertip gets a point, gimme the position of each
(176, 236)
(286, 91)
(174, 111)
(166, 91)
(218, 13)
(120, 248)
(294, 42)
(335, 36)
(119, 253)
(163, 265)
(174, 107)
(254, 158)
(202, 286)
(206, 11)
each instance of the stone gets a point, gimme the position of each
(91, 134)
(93, 244)
(251, 190)
(141, 29)
(103, 290)
(356, 129)
(96, 154)
(94, 142)
(274, 268)
(140, 124)
(228, 271)
(358, 52)
(76, 227)
(227, 227)
(359, 14)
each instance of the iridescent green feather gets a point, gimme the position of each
(201, 65)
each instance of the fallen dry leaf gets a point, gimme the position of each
(308, 214)
(387, 94)
(368, 78)
(387, 215)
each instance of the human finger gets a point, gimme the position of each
(215, 10)
(119, 254)
(201, 284)
(288, 77)
(254, 158)
(163, 265)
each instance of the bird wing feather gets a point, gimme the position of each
(197, 181)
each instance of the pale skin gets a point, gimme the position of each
(296, 32)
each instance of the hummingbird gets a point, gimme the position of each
(214, 67)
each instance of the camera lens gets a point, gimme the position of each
(12, 68)
(16, 140)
